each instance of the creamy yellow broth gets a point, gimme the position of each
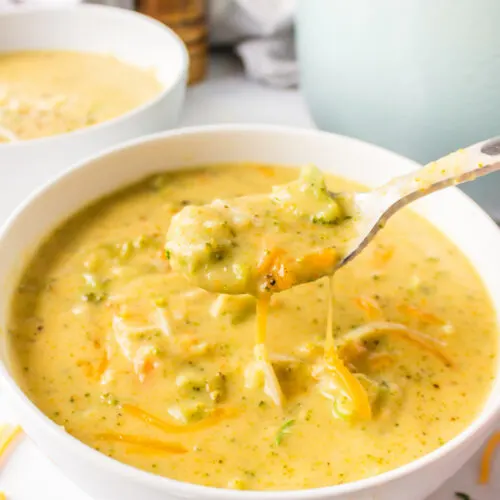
(138, 363)
(44, 93)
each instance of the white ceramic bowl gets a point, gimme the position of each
(105, 479)
(133, 38)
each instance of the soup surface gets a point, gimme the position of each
(138, 363)
(45, 93)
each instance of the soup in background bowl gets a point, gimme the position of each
(128, 357)
(44, 93)
(90, 91)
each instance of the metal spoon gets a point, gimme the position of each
(371, 210)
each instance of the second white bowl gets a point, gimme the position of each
(127, 35)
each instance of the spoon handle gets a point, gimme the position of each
(462, 166)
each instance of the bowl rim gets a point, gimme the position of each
(132, 113)
(117, 469)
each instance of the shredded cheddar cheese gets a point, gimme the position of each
(417, 313)
(320, 263)
(487, 458)
(214, 418)
(267, 260)
(370, 307)
(8, 434)
(153, 445)
(374, 329)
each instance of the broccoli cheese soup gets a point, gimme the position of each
(356, 375)
(44, 93)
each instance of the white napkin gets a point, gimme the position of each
(270, 60)
(263, 32)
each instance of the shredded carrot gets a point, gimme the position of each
(425, 317)
(487, 458)
(214, 418)
(142, 442)
(350, 384)
(370, 306)
(385, 328)
(8, 434)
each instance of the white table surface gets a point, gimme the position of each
(226, 97)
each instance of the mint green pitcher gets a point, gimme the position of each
(419, 77)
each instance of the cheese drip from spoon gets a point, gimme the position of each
(265, 244)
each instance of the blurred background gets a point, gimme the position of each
(259, 30)
(419, 77)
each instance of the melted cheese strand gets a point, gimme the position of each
(329, 344)
(343, 378)
(262, 312)
(262, 364)
(349, 384)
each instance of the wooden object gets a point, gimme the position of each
(189, 20)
